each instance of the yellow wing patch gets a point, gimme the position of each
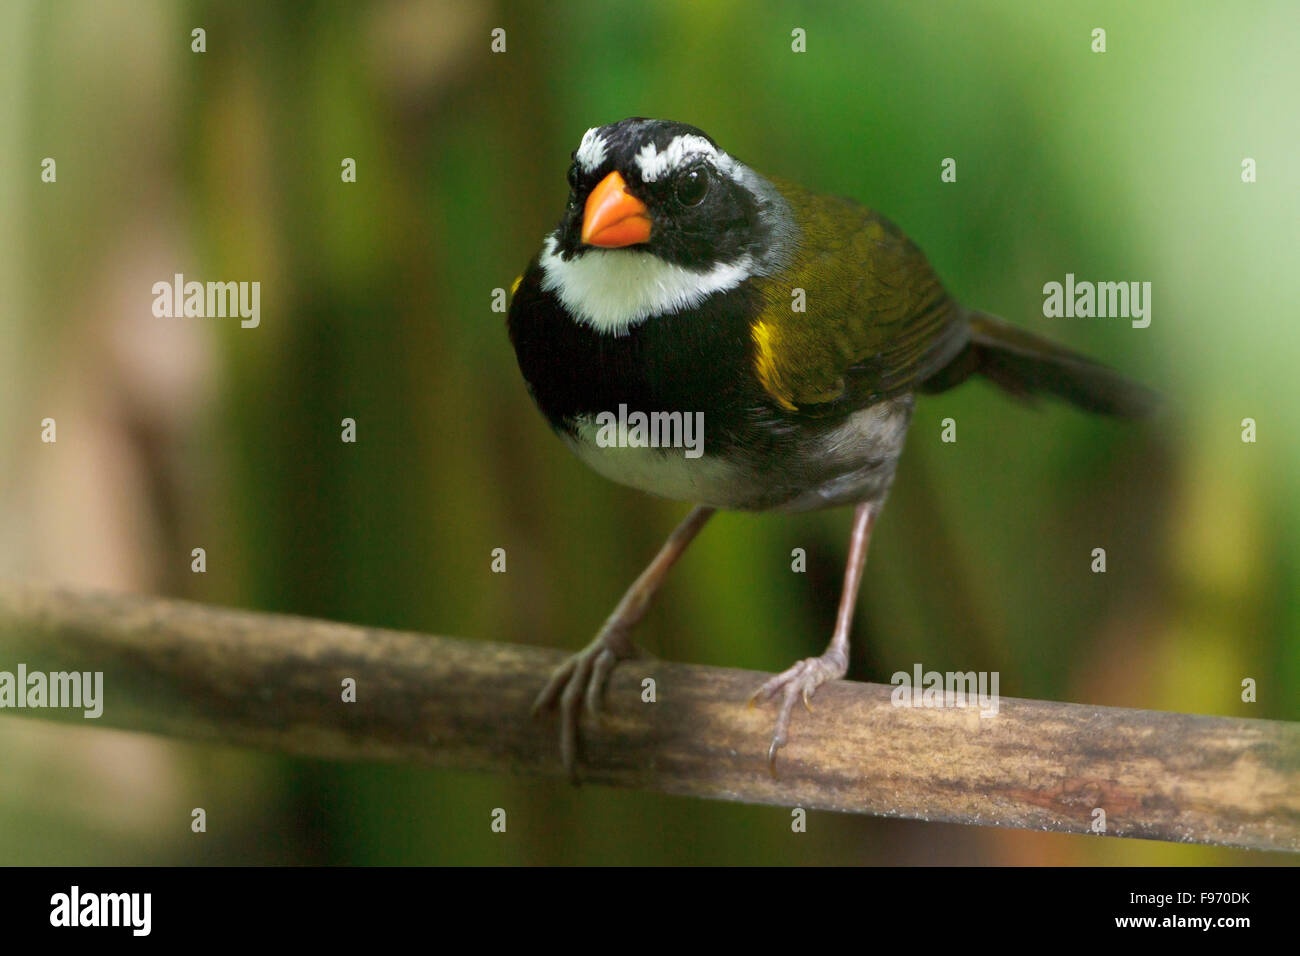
(765, 366)
(514, 286)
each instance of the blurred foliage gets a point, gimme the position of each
(376, 306)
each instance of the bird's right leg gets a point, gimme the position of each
(583, 676)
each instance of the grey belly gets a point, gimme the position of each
(850, 462)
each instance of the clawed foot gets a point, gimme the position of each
(582, 676)
(799, 682)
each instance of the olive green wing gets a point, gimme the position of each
(876, 322)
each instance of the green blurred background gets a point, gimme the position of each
(376, 305)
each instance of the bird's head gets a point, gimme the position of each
(659, 218)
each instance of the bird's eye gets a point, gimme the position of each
(692, 186)
(573, 176)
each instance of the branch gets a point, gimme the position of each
(272, 681)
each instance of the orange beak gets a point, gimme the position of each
(613, 217)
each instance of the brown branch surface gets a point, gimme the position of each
(272, 681)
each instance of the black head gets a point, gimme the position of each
(665, 188)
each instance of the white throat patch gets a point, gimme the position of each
(612, 290)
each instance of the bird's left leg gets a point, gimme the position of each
(803, 679)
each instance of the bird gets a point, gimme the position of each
(793, 329)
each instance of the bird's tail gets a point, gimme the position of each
(1027, 365)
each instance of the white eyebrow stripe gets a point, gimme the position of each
(591, 151)
(654, 164)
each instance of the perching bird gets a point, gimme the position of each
(673, 284)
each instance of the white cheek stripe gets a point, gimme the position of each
(613, 289)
